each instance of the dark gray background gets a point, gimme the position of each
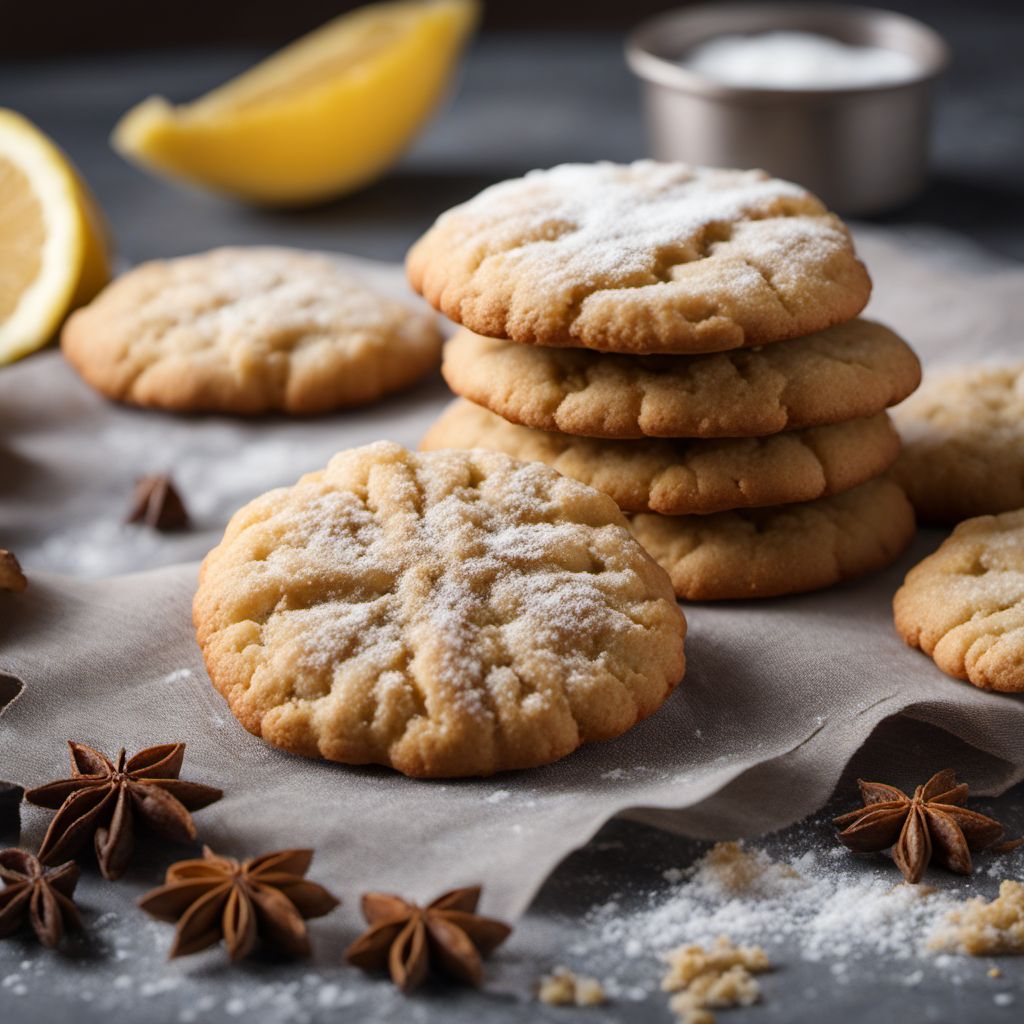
(526, 98)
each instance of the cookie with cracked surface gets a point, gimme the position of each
(641, 258)
(685, 476)
(963, 442)
(448, 614)
(248, 330)
(964, 604)
(788, 549)
(846, 372)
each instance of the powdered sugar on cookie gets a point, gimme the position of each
(449, 614)
(645, 257)
(248, 330)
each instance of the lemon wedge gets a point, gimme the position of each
(53, 256)
(319, 118)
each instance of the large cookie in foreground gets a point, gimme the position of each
(641, 258)
(448, 614)
(963, 442)
(686, 476)
(846, 372)
(248, 330)
(768, 552)
(964, 604)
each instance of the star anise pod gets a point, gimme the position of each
(266, 898)
(411, 941)
(37, 895)
(103, 799)
(157, 503)
(11, 576)
(932, 825)
(10, 801)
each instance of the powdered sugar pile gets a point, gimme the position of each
(797, 60)
(821, 906)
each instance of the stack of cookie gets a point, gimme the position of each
(686, 340)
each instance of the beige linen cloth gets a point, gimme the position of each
(777, 698)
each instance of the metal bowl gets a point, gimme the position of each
(861, 149)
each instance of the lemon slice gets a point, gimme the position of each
(319, 118)
(52, 251)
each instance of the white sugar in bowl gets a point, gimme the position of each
(834, 97)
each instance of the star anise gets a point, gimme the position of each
(11, 576)
(37, 895)
(447, 935)
(157, 503)
(103, 799)
(933, 825)
(10, 800)
(266, 898)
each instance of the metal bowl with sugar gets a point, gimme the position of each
(863, 148)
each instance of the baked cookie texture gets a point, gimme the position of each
(448, 614)
(685, 476)
(846, 372)
(248, 330)
(641, 258)
(964, 604)
(963, 442)
(783, 550)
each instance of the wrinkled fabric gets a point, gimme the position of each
(778, 695)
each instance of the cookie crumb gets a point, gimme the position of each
(698, 1017)
(995, 972)
(11, 576)
(563, 987)
(739, 870)
(982, 928)
(719, 977)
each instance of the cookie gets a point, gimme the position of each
(248, 330)
(684, 477)
(784, 550)
(448, 614)
(964, 604)
(846, 372)
(963, 438)
(641, 258)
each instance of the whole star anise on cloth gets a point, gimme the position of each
(410, 941)
(157, 503)
(266, 898)
(36, 895)
(11, 575)
(932, 825)
(103, 798)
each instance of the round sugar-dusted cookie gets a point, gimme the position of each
(641, 258)
(846, 372)
(448, 614)
(768, 552)
(963, 442)
(248, 330)
(685, 476)
(964, 604)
